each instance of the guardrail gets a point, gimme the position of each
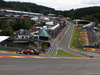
(10, 48)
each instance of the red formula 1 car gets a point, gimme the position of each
(29, 51)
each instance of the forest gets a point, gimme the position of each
(88, 13)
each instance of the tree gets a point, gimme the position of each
(7, 32)
(41, 24)
(91, 18)
(1, 3)
(22, 24)
(1, 0)
(5, 28)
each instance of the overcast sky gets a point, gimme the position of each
(63, 4)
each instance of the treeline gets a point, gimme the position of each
(89, 13)
(7, 28)
(29, 7)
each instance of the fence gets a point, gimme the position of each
(11, 48)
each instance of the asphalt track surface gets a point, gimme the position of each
(54, 42)
(32, 66)
(63, 41)
(48, 66)
(66, 41)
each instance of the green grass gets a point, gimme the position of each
(63, 53)
(80, 43)
(75, 39)
(71, 43)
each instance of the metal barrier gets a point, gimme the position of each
(10, 48)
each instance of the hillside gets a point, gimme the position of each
(89, 13)
(29, 7)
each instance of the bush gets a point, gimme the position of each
(45, 46)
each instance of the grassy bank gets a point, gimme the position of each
(71, 43)
(75, 39)
(63, 53)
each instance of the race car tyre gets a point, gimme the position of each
(30, 53)
(37, 53)
(25, 52)
(17, 52)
